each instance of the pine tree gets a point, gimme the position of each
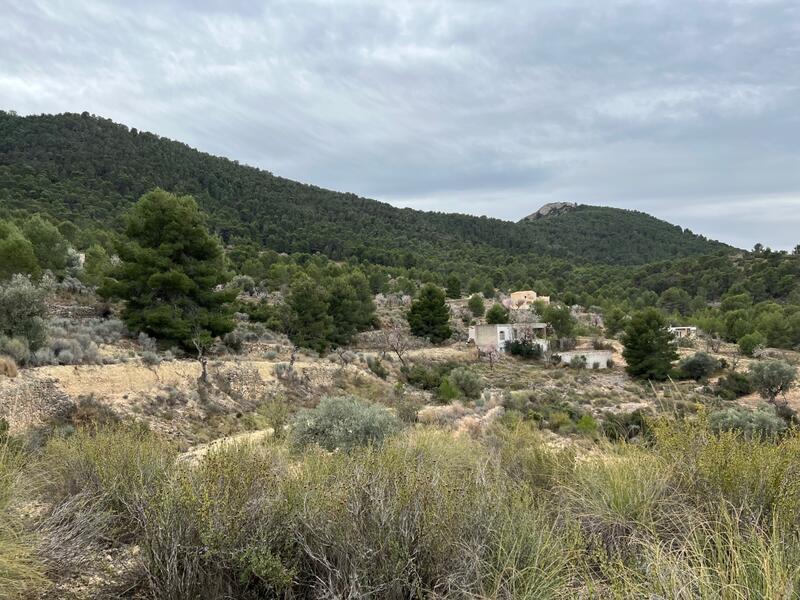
(49, 245)
(453, 287)
(497, 314)
(310, 325)
(351, 307)
(429, 316)
(170, 268)
(649, 346)
(16, 253)
(476, 306)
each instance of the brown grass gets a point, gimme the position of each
(8, 367)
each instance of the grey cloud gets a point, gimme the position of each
(680, 108)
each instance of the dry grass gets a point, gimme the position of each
(8, 368)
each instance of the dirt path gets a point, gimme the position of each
(196, 454)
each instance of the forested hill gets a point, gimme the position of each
(89, 170)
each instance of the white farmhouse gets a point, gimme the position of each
(684, 332)
(497, 336)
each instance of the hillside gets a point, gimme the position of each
(89, 170)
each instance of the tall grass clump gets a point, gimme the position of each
(422, 515)
(222, 529)
(725, 556)
(20, 569)
(622, 496)
(759, 476)
(109, 471)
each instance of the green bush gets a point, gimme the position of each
(22, 311)
(577, 362)
(497, 314)
(421, 512)
(528, 349)
(772, 377)
(762, 422)
(733, 385)
(447, 391)
(469, 383)
(476, 306)
(748, 343)
(113, 469)
(699, 366)
(625, 426)
(376, 366)
(342, 423)
(427, 376)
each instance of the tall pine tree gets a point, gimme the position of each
(169, 272)
(429, 316)
(649, 346)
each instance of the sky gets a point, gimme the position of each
(687, 110)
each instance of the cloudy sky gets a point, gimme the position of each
(688, 110)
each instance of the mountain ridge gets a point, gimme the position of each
(89, 170)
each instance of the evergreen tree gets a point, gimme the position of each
(170, 267)
(49, 245)
(453, 287)
(16, 253)
(351, 307)
(497, 314)
(559, 317)
(429, 316)
(97, 265)
(476, 306)
(649, 346)
(310, 325)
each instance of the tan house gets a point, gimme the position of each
(525, 299)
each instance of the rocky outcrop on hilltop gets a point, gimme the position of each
(551, 209)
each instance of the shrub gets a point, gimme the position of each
(616, 497)
(22, 310)
(577, 362)
(447, 391)
(8, 368)
(427, 377)
(625, 426)
(476, 305)
(421, 512)
(343, 423)
(750, 342)
(762, 422)
(587, 425)
(733, 385)
(234, 340)
(497, 314)
(111, 469)
(528, 349)
(151, 359)
(698, 366)
(467, 382)
(16, 349)
(772, 377)
(376, 366)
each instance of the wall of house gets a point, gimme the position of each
(592, 356)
